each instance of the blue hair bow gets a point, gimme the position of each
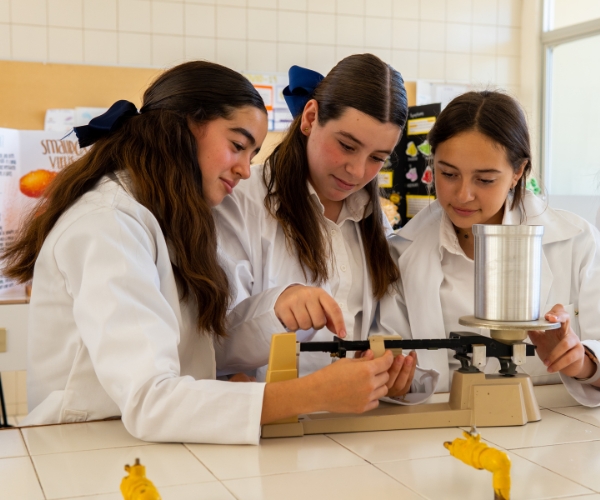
(303, 83)
(105, 123)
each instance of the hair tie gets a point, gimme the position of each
(105, 123)
(303, 83)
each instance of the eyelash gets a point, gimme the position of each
(486, 182)
(345, 147)
(238, 146)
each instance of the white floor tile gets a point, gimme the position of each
(449, 479)
(64, 475)
(208, 491)
(274, 456)
(11, 444)
(78, 437)
(552, 429)
(348, 483)
(18, 480)
(579, 462)
(389, 446)
(589, 415)
(553, 396)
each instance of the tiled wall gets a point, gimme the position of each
(475, 41)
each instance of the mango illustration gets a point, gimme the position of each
(35, 182)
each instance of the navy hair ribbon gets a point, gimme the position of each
(303, 83)
(105, 123)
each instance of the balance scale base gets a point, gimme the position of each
(475, 399)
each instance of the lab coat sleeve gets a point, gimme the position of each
(586, 262)
(252, 319)
(131, 332)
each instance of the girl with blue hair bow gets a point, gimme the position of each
(128, 295)
(306, 237)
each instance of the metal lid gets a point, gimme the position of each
(501, 229)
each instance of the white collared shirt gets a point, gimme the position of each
(261, 265)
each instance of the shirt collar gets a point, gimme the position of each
(353, 208)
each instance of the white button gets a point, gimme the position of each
(343, 268)
(341, 304)
(333, 231)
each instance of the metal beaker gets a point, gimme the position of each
(508, 272)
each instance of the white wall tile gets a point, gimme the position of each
(509, 12)
(508, 70)
(262, 4)
(29, 43)
(262, 24)
(320, 58)
(378, 32)
(100, 14)
(231, 3)
(200, 20)
(231, 23)
(65, 45)
(167, 18)
(262, 57)
(355, 7)
(100, 47)
(432, 65)
(134, 16)
(296, 5)
(289, 54)
(458, 37)
(485, 11)
(405, 34)
(207, 2)
(321, 28)
(459, 11)
(28, 12)
(432, 36)
(167, 50)
(483, 70)
(509, 41)
(327, 6)
(291, 27)
(135, 49)
(342, 51)
(22, 389)
(5, 43)
(483, 39)
(433, 10)
(379, 8)
(350, 31)
(4, 11)
(384, 54)
(232, 53)
(458, 68)
(200, 48)
(406, 9)
(65, 13)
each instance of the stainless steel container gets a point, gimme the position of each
(508, 271)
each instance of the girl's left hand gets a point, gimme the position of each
(401, 374)
(561, 350)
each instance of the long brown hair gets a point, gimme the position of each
(159, 153)
(363, 82)
(497, 116)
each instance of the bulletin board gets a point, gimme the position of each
(27, 90)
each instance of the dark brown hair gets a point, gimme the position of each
(497, 116)
(159, 153)
(363, 82)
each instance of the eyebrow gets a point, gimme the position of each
(479, 171)
(245, 133)
(354, 139)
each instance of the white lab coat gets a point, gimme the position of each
(109, 337)
(570, 276)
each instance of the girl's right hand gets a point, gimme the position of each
(302, 307)
(351, 385)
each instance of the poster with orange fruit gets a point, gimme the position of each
(29, 161)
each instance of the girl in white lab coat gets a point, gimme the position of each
(128, 294)
(481, 159)
(306, 236)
